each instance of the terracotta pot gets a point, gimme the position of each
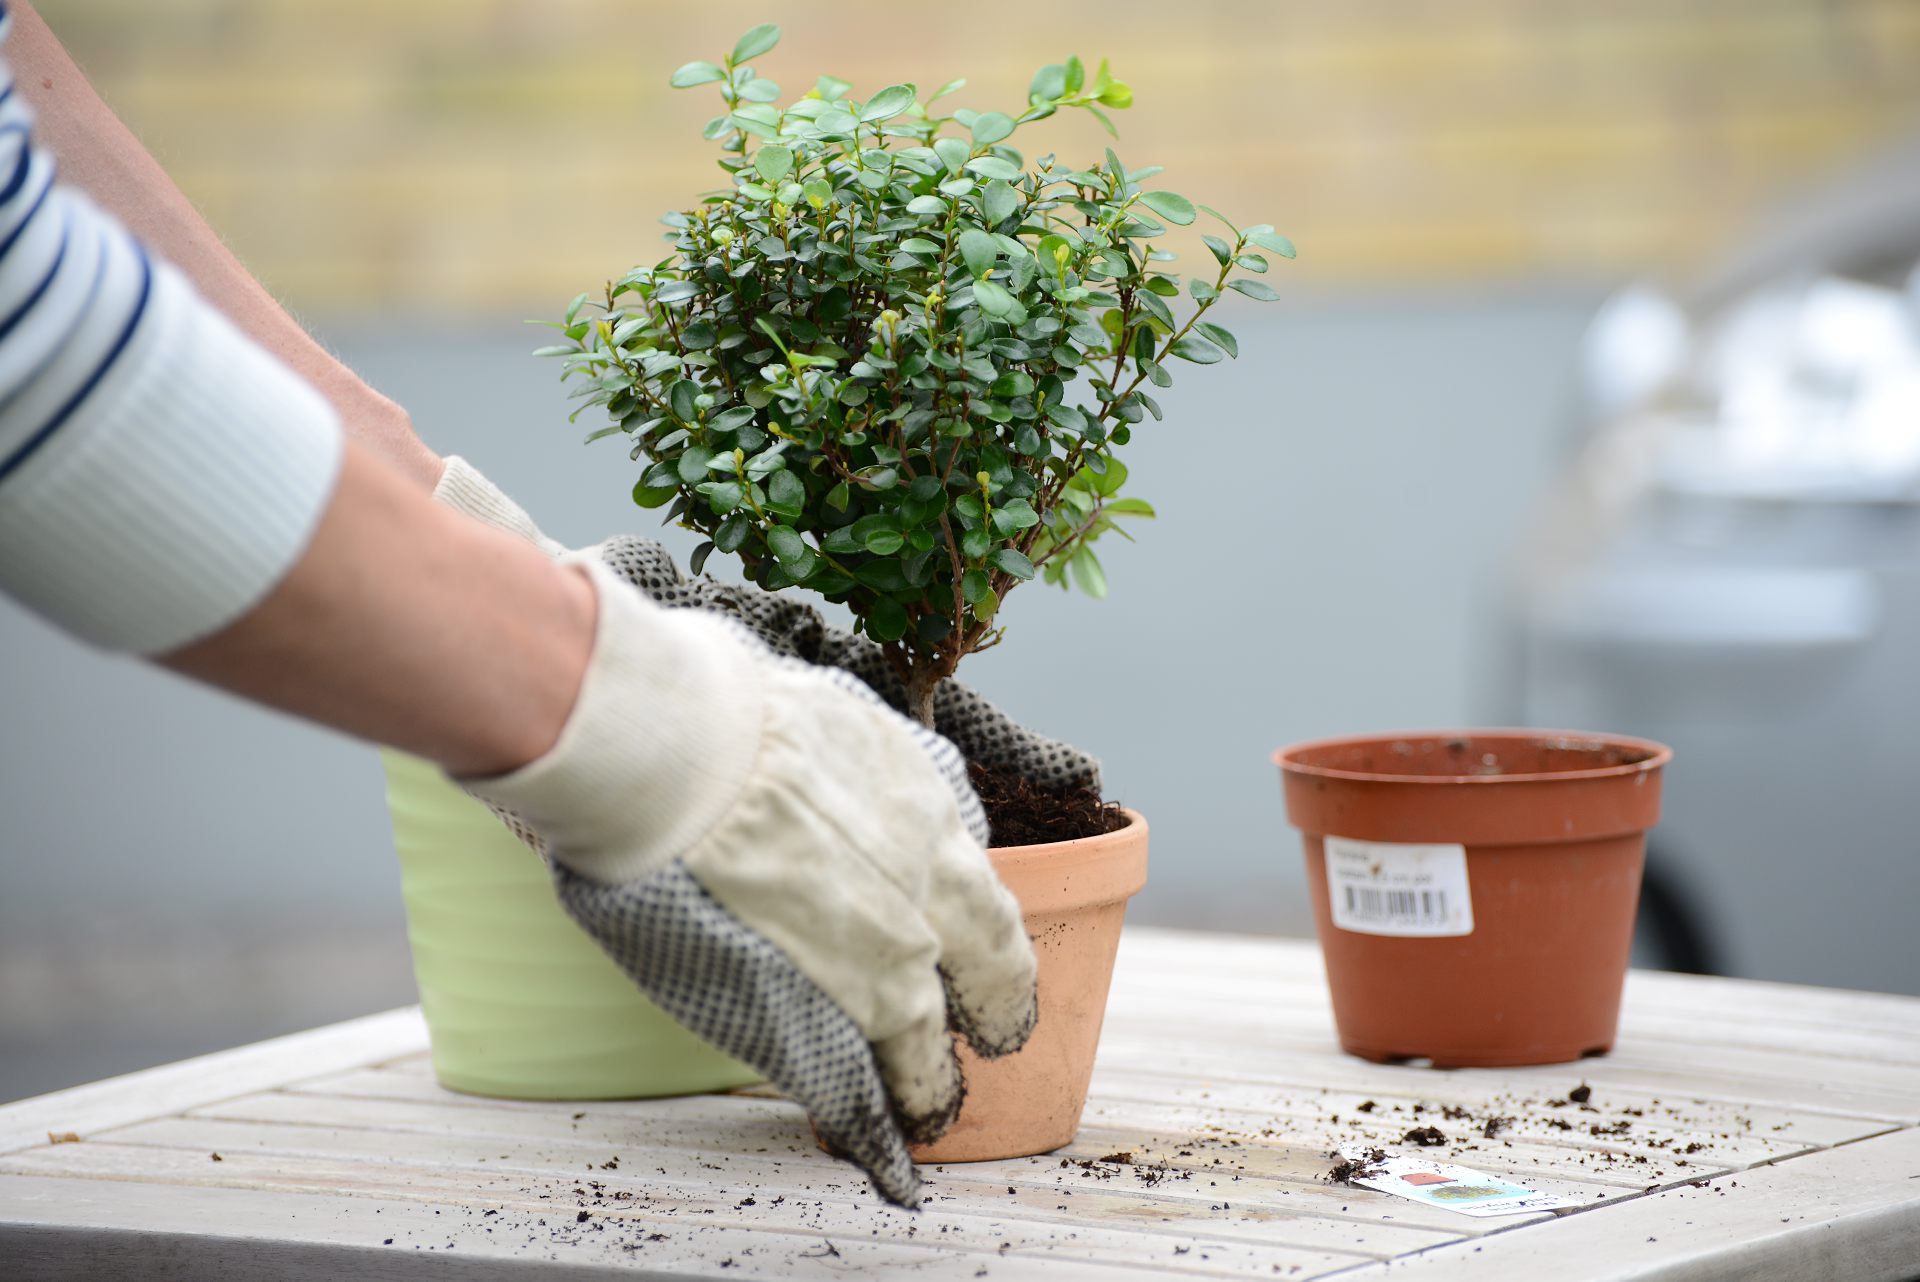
(1483, 887)
(1074, 896)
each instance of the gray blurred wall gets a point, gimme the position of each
(182, 872)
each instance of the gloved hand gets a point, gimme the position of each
(792, 628)
(789, 868)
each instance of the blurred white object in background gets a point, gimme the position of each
(1732, 566)
(1637, 345)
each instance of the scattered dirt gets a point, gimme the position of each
(1581, 1093)
(63, 1137)
(1425, 1136)
(1020, 813)
(1346, 1170)
(1494, 1126)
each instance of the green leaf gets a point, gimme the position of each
(696, 73)
(980, 251)
(926, 205)
(1255, 289)
(1088, 574)
(839, 496)
(1130, 507)
(1198, 350)
(680, 398)
(1221, 249)
(1014, 563)
(1220, 337)
(1170, 205)
(888, 103)
(1108, 483)
(919, 245)
(975, 544)
(786, 494)
(990, 127)
(1049, 83)
(885, 542)
(887, 621)
(1209, 209)
(652, 496)
(698, 561)
(723, 496)
(952, 152)
(786, 543)
(994, 167)
(998, 200)
(1011, 384)
(975, 586)
(730, 420)
(692, 465)
(754, 43)
(998, 302)
(732, 533)
(1014, 515)
(1273, 241)
(947, 88)
(773, 162)
(573, 308)
(831, 88)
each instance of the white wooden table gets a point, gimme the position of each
(1739, 1130)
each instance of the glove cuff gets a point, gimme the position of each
(662, 738)
(465, 490)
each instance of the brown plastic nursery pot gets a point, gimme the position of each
(1074, 897)
(1474, 892)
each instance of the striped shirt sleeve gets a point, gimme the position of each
(159, 471)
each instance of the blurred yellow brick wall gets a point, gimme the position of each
(442, 155)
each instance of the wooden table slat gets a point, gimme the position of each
(1749, 1130)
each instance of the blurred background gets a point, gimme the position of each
(1591, 400)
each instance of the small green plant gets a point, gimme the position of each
(891, 360)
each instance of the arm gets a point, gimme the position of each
(407, 624)
(101, 157)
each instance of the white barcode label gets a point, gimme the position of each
(1388, 888)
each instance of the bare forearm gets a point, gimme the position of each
(99, 155)
(408, 624)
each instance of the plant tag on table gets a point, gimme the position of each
(1390, 888)
(1454, 1187)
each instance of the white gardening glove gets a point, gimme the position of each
(789, 868)
(792, 628)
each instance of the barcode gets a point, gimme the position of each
(1397, 907)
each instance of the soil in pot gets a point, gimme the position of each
(1072, 861)
(1022, 813)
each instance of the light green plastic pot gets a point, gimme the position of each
(518, 1001)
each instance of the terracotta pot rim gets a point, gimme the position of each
(1657, 755)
